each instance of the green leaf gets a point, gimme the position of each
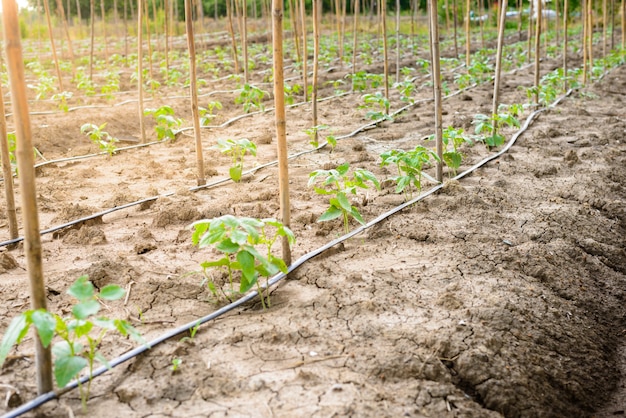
(85, 309)
(239, 237)
(343, 201)
(227, 246)
(235, 173)
(125, 328)
(112, 292)
(221, 262)
(14, 334)
(246, 261)
(98, 356)
(83, 328)
(81, 289)
(452, 159)
(330, 214)
(62, 349)
(356, 215)
(66, 368)
(45, 323)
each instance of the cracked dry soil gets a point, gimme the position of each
(502, 295)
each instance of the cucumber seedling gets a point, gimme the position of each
(238, 240)
(409, 165)
(100, 137)
(338, 183)
(237, 150)
(250, 97)
(166, 122)
(78, 335)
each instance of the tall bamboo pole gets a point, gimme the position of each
(126, 32)
(584, 43)
(623, 23)
(538, 49)
(467, 33)
(447, 7)
(590, 32)
(412, 12)
(104, 31)
(520, 4)
(281, 137)
(496, 83)
(142, 126)
(338, 24)
(456, 34)
(556, 24)
(436, 66)
(565, 13)
(612, 8)
(294, 28)
(231, 30)
(194, 93)
(25, 162)
(147, 16)
(67, 35)
(7, 173)
(605, 22)
(166, 34)
(305, 51)
(54, 51)
(355, 44)
(481, 9)
(244, 39)
(383, 20)
(397, 41)
(316, 52)
(92, 36)
(530, 30)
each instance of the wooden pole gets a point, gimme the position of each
(436, 67)
(244, 39)
(166, 34)
(565, 12)
(126, 31)
(147, 16)
(398, 41)
(25, 162)
(67, 35)
(305, 51)
(623, 28)
(496, 83)
(538, 49)
(556, 24)
(142, 126)
(231, 30)
(605, 22)
(456, 34)
(530, 30)
(383, 21)
(104, 31)
(590, 32)
(54, 51)
(7, 172)
(194, 93)
(294, 28)
(92, 36)
(467, 34)
(481, 10)
(355, 38)
(279, 104)
(316, 53)
(584, 43)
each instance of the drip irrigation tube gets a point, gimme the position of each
(42, 399)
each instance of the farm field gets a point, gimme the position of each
(501, 294)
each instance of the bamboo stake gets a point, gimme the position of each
(147, 16)
(67, 35)
(519, 19)
(166, 34)
(538, 49)
(585, 35)
(605, 23)
(383, 20)
(104, 31)
(467, 34)
(436, 66)
(231, 30)
(7, 172)
(25, 162)
(244, 39)
(530, 30)
(142, 126)
(590, 33)
(556, 24)
(305, 51)
(447, 7)
(194, 93)
(343, 27)
(281, 137)
(565, 12)
(126, 32)
(294, 28)
(54, 51)
(338, 23)
(623, 28)
(93, 36)
(496, 83)
(316, 52)
(456, 34)
(612, 24)
(481, 10)
(398, 41)
(412, 12)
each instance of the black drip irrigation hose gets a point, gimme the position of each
(42, 399)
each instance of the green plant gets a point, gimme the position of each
(250, 96)
(237, 239)
(111, 85)
(409, 165)
(313, 132)
(61, 98)
(454, 137)
(78, 336)
(192, 332)
(378, 105)
(166, 122)
(405, 88)
(237, 150)
(207, 114)
(339, 184)
(488, 128)
(176, 362)
(100, 137)
(290, 92)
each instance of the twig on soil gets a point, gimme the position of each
(129, 288)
